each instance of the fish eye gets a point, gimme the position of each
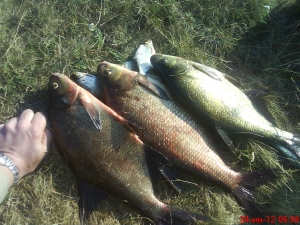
(163, 61)
(107, 72)
(55, 85)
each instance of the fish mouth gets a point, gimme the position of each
(101, 64)
(77, 75)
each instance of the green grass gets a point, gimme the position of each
(259, 48)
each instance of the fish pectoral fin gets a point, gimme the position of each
(89, 197)
(226, 138)
(159, 163)
(213, 73)
(93, 113)
(155, 89)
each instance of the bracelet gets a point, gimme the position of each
(8, 163)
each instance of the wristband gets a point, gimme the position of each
(10, 165)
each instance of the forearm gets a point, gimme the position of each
(6, 181)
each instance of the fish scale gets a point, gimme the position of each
(107, 155)
(167, 127)
(208, 94)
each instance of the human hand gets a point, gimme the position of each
(25, 140)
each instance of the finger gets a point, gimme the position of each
(26, 116)
(39, 120)
(8, 130)
(11, 124)
(1, 133)
(46, 139)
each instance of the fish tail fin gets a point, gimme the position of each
(249, 181)
(181, 217)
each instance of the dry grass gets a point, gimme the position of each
(260, 48)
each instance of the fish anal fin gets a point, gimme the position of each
(215, 74)
(225, 138)
(155, 89)
(89, 198)
(94, 114)
(159, 163)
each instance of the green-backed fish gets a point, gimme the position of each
(210, 96)
(100, 149)
(165, 126)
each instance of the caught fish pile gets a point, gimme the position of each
(104, 154)
(152, 120)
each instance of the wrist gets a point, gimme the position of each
(7, 163)
(5, 170)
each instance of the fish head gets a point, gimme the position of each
(63, 92)
(168, 64)
(116, 78)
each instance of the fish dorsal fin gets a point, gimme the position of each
(155, 89)
(90, 108)
(256, 94)
(215, 74)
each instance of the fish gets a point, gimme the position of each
(171, 130)
(104, 154)
(212, 97)
(142, 57)
(88, 82)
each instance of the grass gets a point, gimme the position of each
(257, 46)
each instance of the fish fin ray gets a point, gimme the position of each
(159, 163)
(155, 89)
(89, 197)
(234, 81)
(226, 138)
(181, 217)
(287, 155)
(256, 94)
(93, 113)
(215, 74)
(249, 181)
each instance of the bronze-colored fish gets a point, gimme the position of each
(99, 148)
(168, 128)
